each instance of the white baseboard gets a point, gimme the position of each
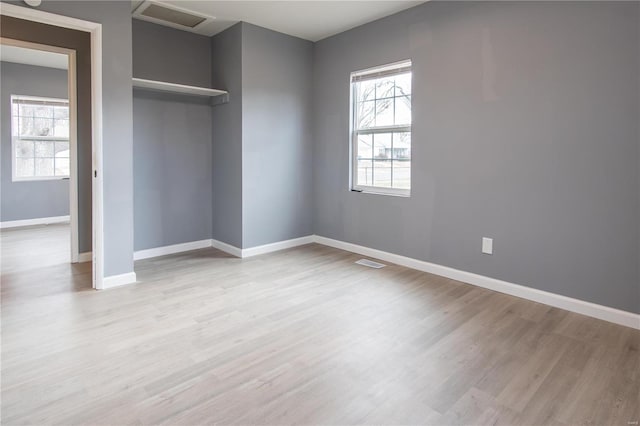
(263, 249)
(594, 310)
(85, 257)
(175, 248)
(280, 245)
(32, 222)
(227, 248)
(118, 280)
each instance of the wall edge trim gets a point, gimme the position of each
(87, 256)
(227, 248)
(170, 249)
(37, 221)
(594, 310)
(118, 280)
(277, 246)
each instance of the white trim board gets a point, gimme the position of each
(85, 257)
(222, 246)
(227, 248)
(280, 245)
(118, 280)
(594, 310)
(174, 248)
(32, 222)
(263, 249)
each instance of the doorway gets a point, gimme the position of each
(39, 146)
(82, 39)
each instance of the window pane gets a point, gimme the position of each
(61, 128)
(24, 149)
(365, 146)
(402, 145)
(44, 167)
(383, 156)
(44, 111)
(26, 126)
(402, 174)
(25, 167)
(403, 84)
(62, 167)
(61, 112)
(382, 146)
(364, 174)
(382, 173)
(366, 90)
(62, 149)
(403, 110)
(44, 149)
(366, 114)
(44, 127)
(27, 110)
(384, 112)
(384, 87)
(37, 111)
(15, 126)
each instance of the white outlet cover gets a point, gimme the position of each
(487, 245)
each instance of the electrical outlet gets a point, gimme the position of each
(487, 245)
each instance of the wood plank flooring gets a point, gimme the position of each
(302, 336)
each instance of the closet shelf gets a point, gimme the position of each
(217, 96)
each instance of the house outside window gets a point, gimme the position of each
(381, 129)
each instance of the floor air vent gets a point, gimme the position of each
(370, 263)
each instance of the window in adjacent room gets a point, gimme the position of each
(40, 138)
(381, 129)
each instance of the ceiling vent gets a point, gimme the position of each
(171, 16)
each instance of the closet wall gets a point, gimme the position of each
(171, 139)
(226, 49)
(262, 138)
(276, 136)
(239, 172)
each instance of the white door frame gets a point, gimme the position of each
(73, 131)
(95, 30)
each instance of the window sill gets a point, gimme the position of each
(39, 179)
(375, 191)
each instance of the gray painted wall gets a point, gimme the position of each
(525, 130)
(172, 138)
(115, 17)
(276, 136)
(226, 51)
(166, 54)
(28, 199)
(172, 171)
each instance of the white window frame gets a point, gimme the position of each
(16, 138)
(384, 70)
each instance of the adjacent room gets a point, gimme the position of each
(320, 212)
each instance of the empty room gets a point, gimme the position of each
(319, 212)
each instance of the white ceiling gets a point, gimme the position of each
(312, 20)
(20, 55)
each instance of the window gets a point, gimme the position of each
(381, 129)
(40, 138)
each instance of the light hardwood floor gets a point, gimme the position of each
(302, 336)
